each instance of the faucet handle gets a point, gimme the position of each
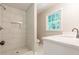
(1, 28)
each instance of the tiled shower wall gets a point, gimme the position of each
(12, 34)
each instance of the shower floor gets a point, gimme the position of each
(20, 51)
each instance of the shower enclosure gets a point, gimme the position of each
(16, 28)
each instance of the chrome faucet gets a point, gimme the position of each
(77, 35)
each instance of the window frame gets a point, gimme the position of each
(51, 13)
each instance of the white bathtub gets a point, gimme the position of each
(66, 43)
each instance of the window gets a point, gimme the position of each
(54, 21)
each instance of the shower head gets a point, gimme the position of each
(3, 6)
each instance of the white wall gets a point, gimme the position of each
(30, 27)
(69, 19)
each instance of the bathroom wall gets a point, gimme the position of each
(41, 24)
(30, 27)
(12, 34)
(69, 19)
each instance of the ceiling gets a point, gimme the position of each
(43, 6)
(22, 6)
